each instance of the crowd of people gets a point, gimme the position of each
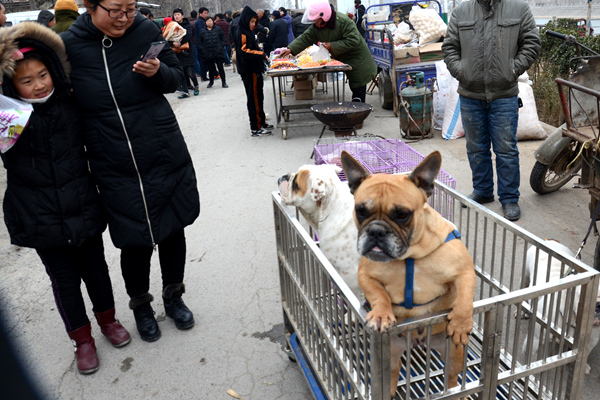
(65, 187)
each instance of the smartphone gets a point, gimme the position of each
(153, 50)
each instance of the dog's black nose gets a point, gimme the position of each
(283, 179)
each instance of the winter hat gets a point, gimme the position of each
(66, 5)
(276, 14)
(44, 17)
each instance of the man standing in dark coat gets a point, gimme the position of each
(298, 27)
(224, 25)
(263, 18)
(278, 34)
(193, 19)
(360, 13)
(201, 24)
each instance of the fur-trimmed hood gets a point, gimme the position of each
(29, 32)
(43, 39)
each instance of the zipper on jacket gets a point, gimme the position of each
(107, 43)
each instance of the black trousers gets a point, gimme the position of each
(135, 264)
(190, 81)
(213, 65)
(67, 266)
(359, 93)
(253, 83)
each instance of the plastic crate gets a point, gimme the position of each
(390, 156)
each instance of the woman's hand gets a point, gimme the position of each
(148, 68)
(327, 46)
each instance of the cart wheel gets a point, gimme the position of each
(284, 133)
(546, 179)
(386, 91)
(286, 116)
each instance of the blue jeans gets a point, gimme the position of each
(228, 60)
(493, 125)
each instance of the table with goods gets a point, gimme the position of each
(305, 71)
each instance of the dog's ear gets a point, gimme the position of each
(354, 171)
(424, 175)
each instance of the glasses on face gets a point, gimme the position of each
(119, 13)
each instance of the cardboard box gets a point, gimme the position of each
(407, 55)
(305, 94)
(431, 52)
(306, 85)
(300, 78)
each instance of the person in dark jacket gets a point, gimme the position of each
(278, 34)
(489, 44)
(228, 17)
(211, 45)
(186, 57)
(193, 19)
(298, 27)
(65, 12)
(46, 18)
(224, 25)
(137, 154)
(360, 14)
(201, 24)
(233, 26)
(263, 19)
(287, 18)
(251, 65)
(51, 203)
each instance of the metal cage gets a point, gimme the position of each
(508, 357)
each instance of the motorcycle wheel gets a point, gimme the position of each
(546, 179)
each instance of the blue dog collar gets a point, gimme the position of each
(410, 278)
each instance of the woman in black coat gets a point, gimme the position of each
(137, 154)
(186, 57)
(211, 46)
(278, 33)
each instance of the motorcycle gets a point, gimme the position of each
(575, 145)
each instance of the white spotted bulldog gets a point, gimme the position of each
(328, 206)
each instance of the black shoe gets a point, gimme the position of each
(210, 85)
(479, 199)
(512, 211)
(225, 85)
(144, 317)
(175, 308)
(268, 126)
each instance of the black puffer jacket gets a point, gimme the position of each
(249, 57)
(141, 163)
(211, 44)
(278, 35)
(186, 57)
(50, 200)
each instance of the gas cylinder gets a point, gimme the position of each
(416, 107)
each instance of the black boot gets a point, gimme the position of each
(144, 317)
(175, 308)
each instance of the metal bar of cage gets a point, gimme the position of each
(351, 361)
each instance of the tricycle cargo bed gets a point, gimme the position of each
(325, 322)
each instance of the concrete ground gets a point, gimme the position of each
(231, 277)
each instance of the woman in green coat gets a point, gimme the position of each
(338, 34)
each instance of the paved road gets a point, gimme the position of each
(232, 279)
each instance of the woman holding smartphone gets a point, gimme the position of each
(137, 154)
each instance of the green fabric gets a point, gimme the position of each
(64, 19)
(488, 45)
(347, 46)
